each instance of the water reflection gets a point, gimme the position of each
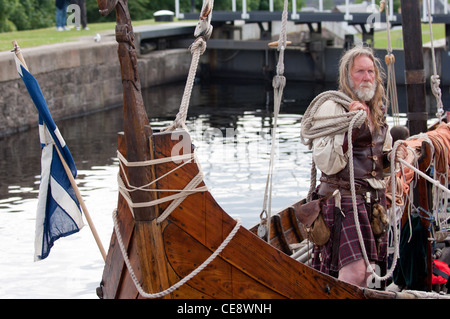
(244, 109)
(230, 126)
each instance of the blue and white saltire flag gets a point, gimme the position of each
(58, 213)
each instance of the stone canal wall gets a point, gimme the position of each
(78, 78)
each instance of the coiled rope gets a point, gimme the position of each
(341, 125)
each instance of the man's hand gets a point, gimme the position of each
(401, 153)
(357, 105)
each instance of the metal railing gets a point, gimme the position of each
(347, 9)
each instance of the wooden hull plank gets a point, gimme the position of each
(219, 279)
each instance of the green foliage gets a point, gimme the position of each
(26, 14)
(5, 24)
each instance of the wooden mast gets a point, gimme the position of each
(136, 137)
(414, 69)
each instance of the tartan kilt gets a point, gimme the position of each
(350, 249)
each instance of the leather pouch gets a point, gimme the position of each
(379, 221)
(312, 221)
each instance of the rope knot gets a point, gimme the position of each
(278, 82)
(198, 44)
(435, 82)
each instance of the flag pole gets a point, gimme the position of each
(18, 53)
(83, 205)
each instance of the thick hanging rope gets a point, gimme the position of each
(389, 59)
(435, 81)
(355, 210)
(197, 49)
(278, 83)
(202, 33)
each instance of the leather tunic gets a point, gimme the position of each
(368, 157)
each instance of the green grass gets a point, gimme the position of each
(32, 38)
(380, 37)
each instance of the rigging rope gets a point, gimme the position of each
(278, 83)
(435, 81)
(389, 59)
(202, 33)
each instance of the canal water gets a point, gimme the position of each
(230, 125)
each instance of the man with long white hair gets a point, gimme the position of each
(361, 79)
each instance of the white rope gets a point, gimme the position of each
(425, 176)
(278, 83)
(202, 33)
(424, 294)
(435, 81)
(197, 49)
(178, 158)
(355, 209)
(439, 181)
(389, 59)
(340, 125)
(190, 188)
(182, 281)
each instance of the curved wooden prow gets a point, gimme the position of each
(106, 6)
(136, 137)
(136, 125)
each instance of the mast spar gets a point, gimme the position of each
(414, 67)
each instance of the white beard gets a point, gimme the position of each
(365, 91)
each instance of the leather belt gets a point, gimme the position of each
(329, 186)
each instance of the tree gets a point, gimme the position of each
(26, 14)
(5, 24)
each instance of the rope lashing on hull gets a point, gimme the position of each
(191, 188)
